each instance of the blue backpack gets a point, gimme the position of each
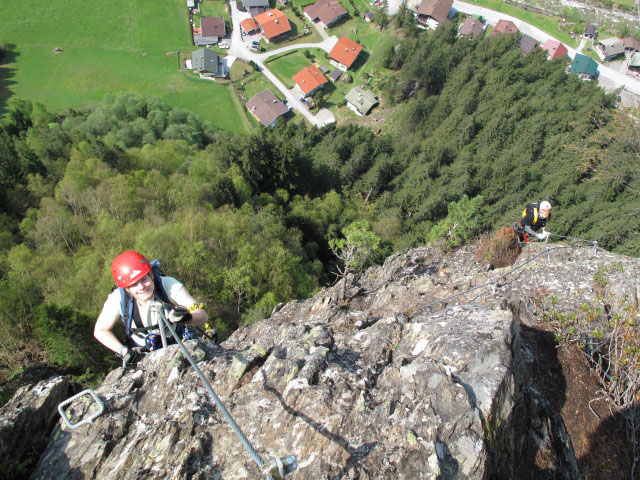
(126, 309)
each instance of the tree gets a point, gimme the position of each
(354, 249)
(381, 14)
(461, 224)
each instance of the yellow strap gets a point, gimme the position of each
(535, 215)
(524, 213)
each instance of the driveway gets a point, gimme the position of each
(239, 48)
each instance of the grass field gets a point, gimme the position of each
(108, 47)
(286, 66)
(543, 22)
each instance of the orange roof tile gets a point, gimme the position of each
(248, 25)
(346, 51)
(273, 23)
(309, 78)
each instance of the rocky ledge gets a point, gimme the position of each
(422, 372)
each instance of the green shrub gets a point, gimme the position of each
(67, 335)
(460, 225)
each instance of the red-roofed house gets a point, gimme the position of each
(503, 27)
(325, 12)
(345, 53)
(309, 80)
(249, 25)
(555, 49)
(274, 24)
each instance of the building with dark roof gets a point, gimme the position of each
(584, 66)
(431, 13)
(610, 48)
(266, 108)
(590, 31)
(527, 44)
(325, 12)
(212, 29)
(471, 28)
(206, 63)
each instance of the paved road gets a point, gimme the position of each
(240, 49)
(611, 76)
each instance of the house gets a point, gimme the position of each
(555, 49)
(527, 44)
(344, 53)
(610, 48)
(471, 28)
(249, 26)
(360, 100)
(274, 25)
(266, 108)
(212, 29)
(325, 12)
(205, 62)
(590, 31)
(255, 7)
(631, 44)
(368, 16)
(584, 66)
(309, 80)
(431, 13)
(504, 27)
(634, 63)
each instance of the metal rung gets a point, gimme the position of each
(89, 419)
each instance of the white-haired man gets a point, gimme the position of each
(534, 217)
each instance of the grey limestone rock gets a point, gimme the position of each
(413, 376)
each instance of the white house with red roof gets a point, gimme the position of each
(345, 53)
(309, 80)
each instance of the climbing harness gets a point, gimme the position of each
(90, 418)
(277, 468)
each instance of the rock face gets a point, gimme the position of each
(26, 422)
(391, 384)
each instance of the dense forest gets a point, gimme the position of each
(246, 221)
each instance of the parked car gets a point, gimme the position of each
(255, 43)
(224, 46)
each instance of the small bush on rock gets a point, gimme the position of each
(501, 250)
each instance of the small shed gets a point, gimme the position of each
(335, 75)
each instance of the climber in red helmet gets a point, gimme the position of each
(139, 284)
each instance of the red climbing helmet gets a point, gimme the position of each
(129, 267)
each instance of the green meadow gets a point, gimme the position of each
(107, 47)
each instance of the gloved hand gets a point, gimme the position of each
(130, 355)
(179, 315)
(543, 235)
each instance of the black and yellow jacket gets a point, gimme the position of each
(530, 218)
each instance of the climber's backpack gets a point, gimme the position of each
(126, 309)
